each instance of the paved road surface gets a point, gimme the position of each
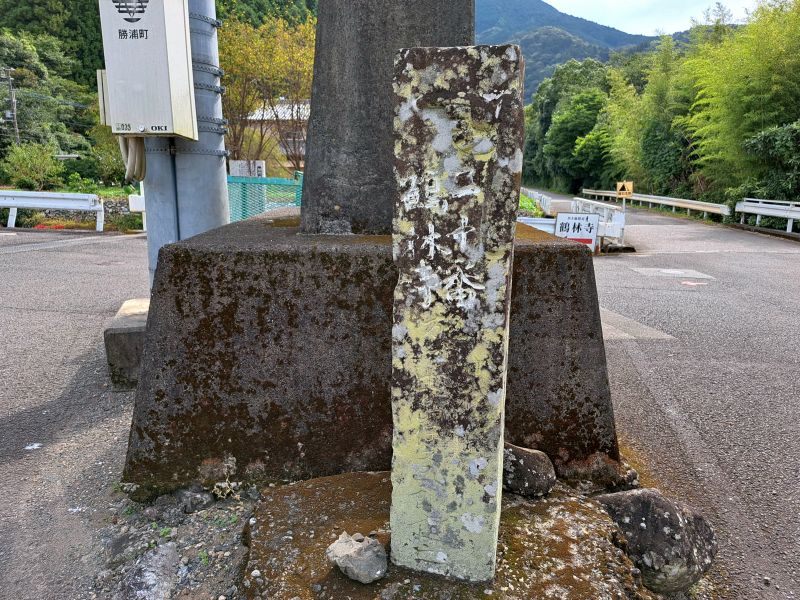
(703, 340)
(57, 293)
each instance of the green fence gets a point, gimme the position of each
(252, 196)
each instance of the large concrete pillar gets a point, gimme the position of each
(349, 181)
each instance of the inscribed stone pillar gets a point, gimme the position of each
(458, 160)
(349, 183)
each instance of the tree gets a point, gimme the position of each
(779, 149)
(288, 90)
(268, 75)
(51, 109)
(568, 80)
(33, 166)
(258, 12)
(573, 121)
(105, 151)
(747, 82)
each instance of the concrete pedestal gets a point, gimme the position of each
(124, 341)
(274, 348)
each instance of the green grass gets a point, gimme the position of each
(529, 208)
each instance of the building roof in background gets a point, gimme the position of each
(283, 111)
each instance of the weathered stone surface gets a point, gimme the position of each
(275, 348)
(153, 577)
(670, 542)
(563, 546)
(529, 473)
(558, 399)
(600, 473)
(458, 162)
(264, 346)
(349, 183)
(124, 341)
(361, 559)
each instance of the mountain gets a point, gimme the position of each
(547, 36)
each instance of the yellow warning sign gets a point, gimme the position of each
(624, 189)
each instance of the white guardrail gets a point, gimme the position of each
(689, 205)
(770, 208)
(14, 200)
(612, 216)
(136, 204)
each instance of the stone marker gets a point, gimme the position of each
(349, 184)
(458, 160)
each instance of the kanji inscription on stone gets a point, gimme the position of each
(458, 162)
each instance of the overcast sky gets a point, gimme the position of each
(647, 16)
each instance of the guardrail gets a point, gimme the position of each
(770, 208)
(14, 200)
(136, 204)
(612, 216)
(550, 206)
(689, 205)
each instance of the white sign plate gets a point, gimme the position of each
(578, 227)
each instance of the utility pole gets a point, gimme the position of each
(186, 184)
(12, 100)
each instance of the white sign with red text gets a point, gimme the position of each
(579, 227)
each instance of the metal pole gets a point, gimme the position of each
(200, 166)
(187, 186)
(12, 101)
(160, 198)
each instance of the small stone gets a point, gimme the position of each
(255, 574)
(529, 473)
(184, 560)
(316, 588)
(154, 574)
(364, 561)
(672, 544)
(151, 512)
(767, 581)
(194, 501)
(358, 537)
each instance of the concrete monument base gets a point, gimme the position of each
(268, 356)
(562, 546)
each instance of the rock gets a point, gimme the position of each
(563, 545)
(599, 473)
(153, 577)
(529, 473)
(672, 544)
(363, 561)
(192, 501)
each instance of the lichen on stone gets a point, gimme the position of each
(458, 130)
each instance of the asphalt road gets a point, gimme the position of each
(62, 432)
(703, 343)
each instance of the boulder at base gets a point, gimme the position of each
(670, 542)
(529, 473)
(559, 547)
